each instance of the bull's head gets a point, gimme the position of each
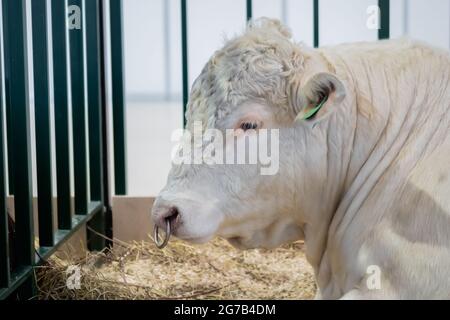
(249, 203)
(257, 81)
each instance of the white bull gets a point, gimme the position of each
(365, 182)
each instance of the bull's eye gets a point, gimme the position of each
(248, 125)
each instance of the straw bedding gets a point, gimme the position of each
(215, 270)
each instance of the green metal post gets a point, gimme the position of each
(4, 241)
(42, 122)
(316, 22)
(384, 31)
(104, 116)
(249, 8)
(60, 79)
(94, 100)
(184, 57)
(95, 120)
(78, 107)
(9, 137)
(20, 128)
(118, 103)
(4, 238)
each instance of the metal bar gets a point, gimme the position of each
(384, 31)
(61, 236)
(20, 128)
(316, 23)
(184, 57)
(249, 8)
(9, 136)
(42, 122)
(94, 100)
(62, 144)
(76, 50)
(118, 106)
(4, 243)
(27, 290)
(104, 127)
(18, 277)
(4, 232)
(95, 121)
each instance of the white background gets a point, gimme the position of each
(209, 21)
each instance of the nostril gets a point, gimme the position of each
(172, 215)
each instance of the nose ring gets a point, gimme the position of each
(161, 244)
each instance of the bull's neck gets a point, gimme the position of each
(352, 140)
(323, 154)
(332, 163)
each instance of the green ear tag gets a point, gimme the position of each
(313, 111)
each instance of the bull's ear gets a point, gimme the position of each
(314, 100)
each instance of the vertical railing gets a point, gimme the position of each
(184, 57)
(78, 107)
(4, 232)
(118, 103)
(94, 99)
(249, 9)
(384, 31)
(42, 122)
(94, 63)
(20, 131)
(316, 23)
(60, 79)
(6, 73)
(92, 209)
(104, 128)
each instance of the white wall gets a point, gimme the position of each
(209, 21)
(429, 20)
(344, 21)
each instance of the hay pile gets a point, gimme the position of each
(181, 271)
